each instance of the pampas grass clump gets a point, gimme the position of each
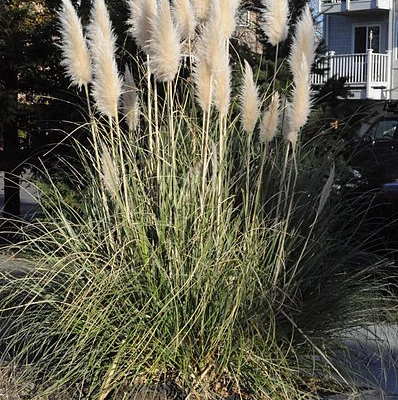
(197, 263)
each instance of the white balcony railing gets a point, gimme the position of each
(369, 70)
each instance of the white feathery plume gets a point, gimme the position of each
(208, 49)
(212, 65)
(211, 44)
(303, 41)
(300, 60)
(203, 83)
(289, 134)
(301, 97)
(201, 9)
(222, 84)
(103, 22)
(276, 16)
(184, 17)
(110, 173)
(228, 17)
(76, 57)
(165, 46)
(106, 85)
(270, 120)
(131, 105)
(249, 100)
(142, 16)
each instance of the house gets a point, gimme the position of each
(246, 29)
(361, 37)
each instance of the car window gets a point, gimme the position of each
(386, 129)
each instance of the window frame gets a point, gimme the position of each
(367, 26)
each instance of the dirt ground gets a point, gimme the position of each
(12, 387)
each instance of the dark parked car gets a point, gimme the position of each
(375, 162)
(376, 156)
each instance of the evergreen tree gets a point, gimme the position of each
(29, 77)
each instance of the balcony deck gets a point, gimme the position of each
(344, 6)
(368, 75)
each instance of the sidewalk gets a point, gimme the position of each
(14, 265)
(372, 358)
(28, 196)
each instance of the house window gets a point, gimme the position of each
(367, 37)
(243, 18)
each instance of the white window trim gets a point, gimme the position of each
(359, 25)
(395, 39)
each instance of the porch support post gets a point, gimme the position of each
(331, 61)
(348, 5)
(369, 72)
(388, 73)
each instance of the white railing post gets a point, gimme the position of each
(388, 66)
(331, 64)
(347, 5)
(369, 72)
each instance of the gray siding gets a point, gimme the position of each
(340, 32)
